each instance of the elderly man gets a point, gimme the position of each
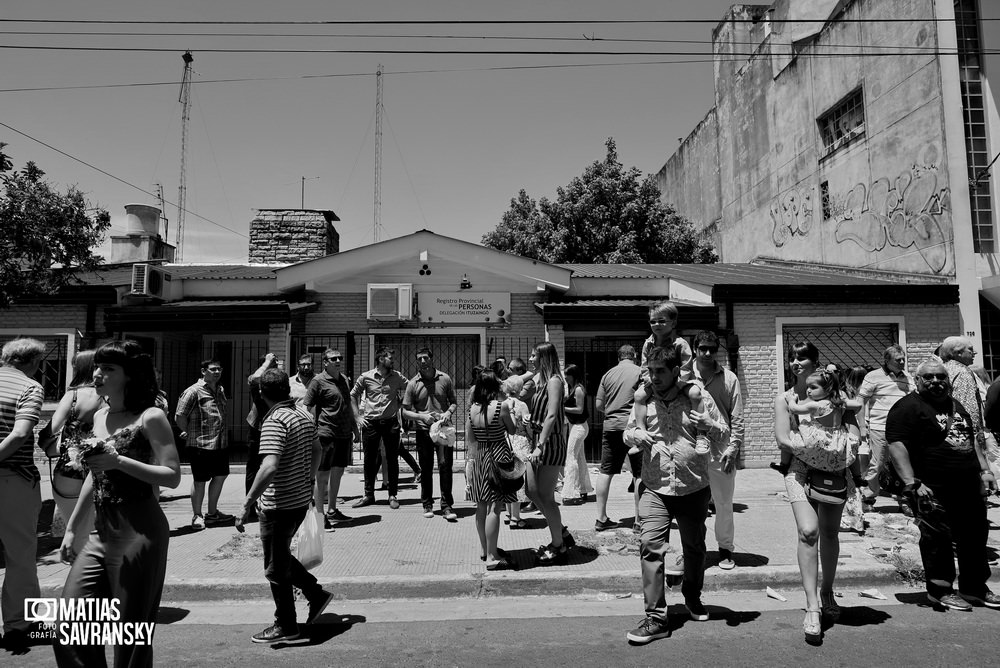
(20, 496)
(932, 443)
(676, 489)
(281, 492)
(881, 389)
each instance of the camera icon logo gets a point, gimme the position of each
(42, 610)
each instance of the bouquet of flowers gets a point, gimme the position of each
(80, 448)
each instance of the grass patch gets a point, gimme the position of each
(240, 546)
(612, 541)
(909, 568)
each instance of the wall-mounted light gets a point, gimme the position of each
(465, 284)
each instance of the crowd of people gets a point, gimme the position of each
(675, 415)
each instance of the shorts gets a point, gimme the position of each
(208, 464)
(338, 452)
(613, 452)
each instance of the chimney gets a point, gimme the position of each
(287, 236)
(142, 241)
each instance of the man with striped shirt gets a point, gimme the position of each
(20, 496)
(282, 490)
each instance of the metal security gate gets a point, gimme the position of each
(846, 346)
(456, 355)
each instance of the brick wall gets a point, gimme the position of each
(925, 327)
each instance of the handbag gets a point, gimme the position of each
(310, 537)
(826, 487)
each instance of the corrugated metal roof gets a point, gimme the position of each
(221, 271)
(725, 274)
(617, 303)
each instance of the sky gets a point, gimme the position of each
(462, 133)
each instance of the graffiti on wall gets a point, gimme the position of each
(791, 214)
(910, 211)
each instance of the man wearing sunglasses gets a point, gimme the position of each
(329, 396)
(932, 440)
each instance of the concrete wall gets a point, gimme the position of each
(924, 326)
(890, 189)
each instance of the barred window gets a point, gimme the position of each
(843, 123)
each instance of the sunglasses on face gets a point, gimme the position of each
(215, 369)
(934, 376)
(707, 349)
(423, 358)
(333, 358)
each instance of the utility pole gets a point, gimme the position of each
(378, 155)
(185, 100)
(163, 212)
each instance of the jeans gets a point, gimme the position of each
(282, 570)
(20, 503)
(723, 486)
(386, 431)
(960, 517)
(656, 512)
(425, 451)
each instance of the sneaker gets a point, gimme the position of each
(674, 566)
(648, 631)
(217, 518)
(363, 501)
(604, 525)
(318, 605)
(393, 503)
(448, 514)
(275, 633)
(197, 522)
(428, 513)
(696, 609)
(726, 562)
(951, 601)
(989, 599)
(327, 524)
(337, 516)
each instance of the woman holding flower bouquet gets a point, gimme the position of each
(129, 452)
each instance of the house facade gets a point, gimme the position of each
(853, 135)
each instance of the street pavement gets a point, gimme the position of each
(392, 554)
(744, 629)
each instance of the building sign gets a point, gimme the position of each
(464, 307)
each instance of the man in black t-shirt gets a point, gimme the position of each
(932, 442)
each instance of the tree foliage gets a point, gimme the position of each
(608, 215)
(46, 237)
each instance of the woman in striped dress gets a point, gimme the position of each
(548, 422)
(488, 425)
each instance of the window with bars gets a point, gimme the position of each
(844, 123)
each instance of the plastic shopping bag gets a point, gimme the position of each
(310, 537)
(443, 433)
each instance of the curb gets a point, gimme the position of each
(534, 582)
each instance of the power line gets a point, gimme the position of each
(468, 52)
(116, 178)
(488, 21)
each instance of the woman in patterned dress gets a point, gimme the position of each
(548, 424)
(488, 425)
(126, 558)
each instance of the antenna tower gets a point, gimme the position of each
(185, 100)
(376, 228)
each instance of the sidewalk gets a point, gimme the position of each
(384, 553)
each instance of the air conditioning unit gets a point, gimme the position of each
(148, 280)
(390, 301)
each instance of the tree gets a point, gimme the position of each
(607, 215)
(46, 237)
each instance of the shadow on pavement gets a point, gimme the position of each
(359, 521)
(327, 627)
(167, 498)
(918, 598)
(526, 559)
(742, 559)
(862, 615)
(677, 616)
(168, 615)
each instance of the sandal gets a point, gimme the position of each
(501, 565)
(829, 606)
(812, 627)
(518, 523)
(551, 555)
